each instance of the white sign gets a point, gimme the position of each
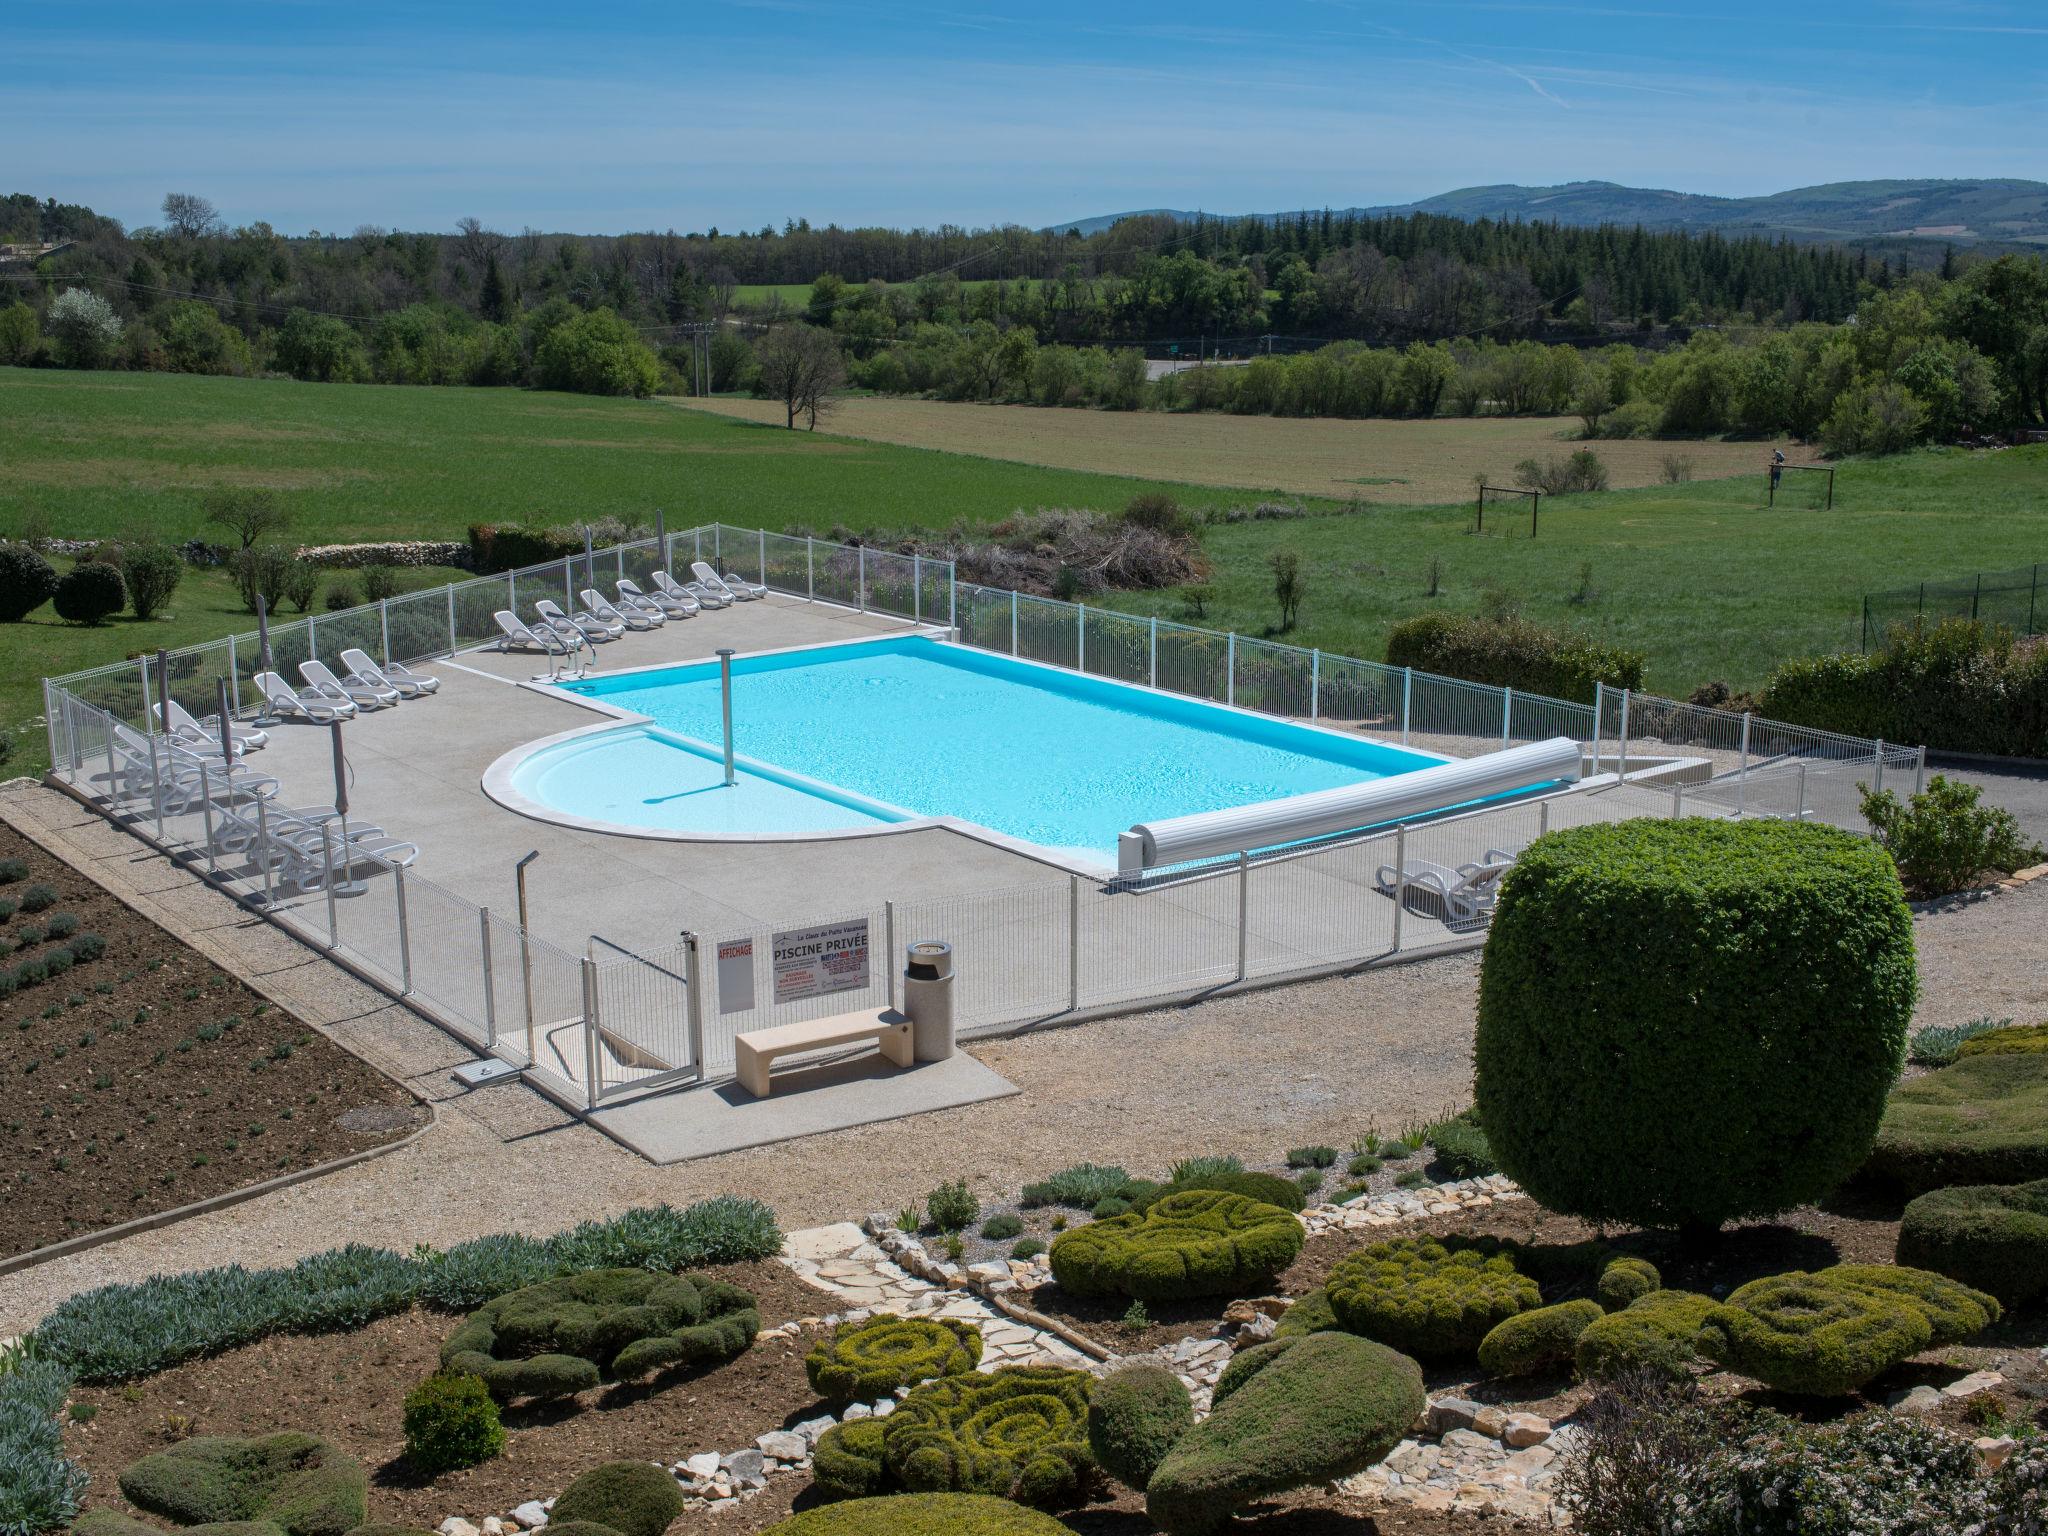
(810, 962)
(736, 976)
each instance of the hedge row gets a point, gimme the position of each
(1513, 653)
(1957, 686)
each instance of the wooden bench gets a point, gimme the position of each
(755, 1051)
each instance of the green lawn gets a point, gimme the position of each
(798, 295)
(1702, 577)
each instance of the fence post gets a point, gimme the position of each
(1866, 621)
(1799, 809)
(1073, 942)
(916, 591)
(1742, 776)
(453, 639)
(1013, 622)
(863, 552)
(1920, 770)
(810, 569)
(693, 974)
(1507, 715)
(1877, 756)
(1152, 656)
(327, 881)
(490, 984)
(762, 534)
(1543, 818)
(1621, 749)
(1315, 684)
(384, 626)
(234, 679)
(1400, 882)
(2033, 593)
(952, 597)
(1244, 909)
(206, 818)
(263, 851)
(589, 1032)
(1599, 723)
(1677, 798)
(512, 592)
(1081, 637)
(1230, 670)
(1407, 697)
(1976, 596)
(404, 933)
(889, 947)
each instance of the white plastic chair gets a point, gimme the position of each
(735, 587)
(664, 603)
(512, 632)
(696, 591)
(1464, 895)
(321, 679)
(183, 726)
(608, 612)
(408, 683)
(283, 699)
(589, 625)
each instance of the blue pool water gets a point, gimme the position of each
(875, 732)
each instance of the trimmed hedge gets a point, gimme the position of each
(1019, 1433)
(1289, 1413)
(507, 546)
(1982, 1121)
(1954, 1311)
(1513, 653)
(27, 581)
(1266, 1188)
(878, 1357)
(567, 1334)
(451, 1422)
(1192, 1243)
(921, 1514)
(634, 1498)
(1990, 1236)
(1311, 1313)
(299, 1483)
(1428, 1297)
(1135, 1416)
(2015, 1040)
(1536, 1341)
(1658, 1334)
(847, 1462)
(1683, 1023)
(1626, 1281)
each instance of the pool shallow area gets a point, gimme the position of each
(868, 735)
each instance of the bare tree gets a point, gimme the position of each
(249, 513)
(477, 243)
(188, 215)
(723, 283)
(801, 366)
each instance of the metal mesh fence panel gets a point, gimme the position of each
(415, 626)
(1456, 718)
(2016, 599)
(1048, 631)
(360, 629)
(1115, 645)
(839, 575)
(788, 566)
(1195, 662)
(476, 602)
(1010, 955)
(1364, 694)
(984, 617)
(1274, 679)
(448, 969)
(643, 1014)
(892, 583)
(1158, 942)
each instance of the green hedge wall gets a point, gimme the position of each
(1513, 653)
(1682, 1023)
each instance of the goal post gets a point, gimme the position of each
(1505, 499)
(1775, 472)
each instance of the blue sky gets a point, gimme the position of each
(738, 113)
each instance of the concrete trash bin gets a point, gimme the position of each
(928, 998)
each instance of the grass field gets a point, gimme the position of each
(1384, 461)
(798, 295)
(1701, 576)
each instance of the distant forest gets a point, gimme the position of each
(1411, 314)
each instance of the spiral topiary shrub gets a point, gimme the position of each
(1427, 1297)
(1135, 1416)
(566, 1335)
(1625, 1281)
(1194, 1243)
(1266, 1188)
(847, 1462)
(1806, 1335)
(1954, 1311)
(921, 1514)
(864, 1361)
(300, 1484)
(1726, 1002)
(451, 1422)
(1658, 1334)
(1991, 1236)
(634, 1498)
(1539, 1340)
(1982, 1121)
(1289, 1413)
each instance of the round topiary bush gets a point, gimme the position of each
(1019, 1433)
(1290, 1413)
(1982, 1121)
(1954, 1311)
(91, 593)
(1686, 1022)
(1200, 1242)
(1267, 1188)
(27, 581)
(1991, 1236)
(1135, 1416)
(1803, 1334)
(1658, 1334)
(921, 1514)
(1539, 1340)
(1429, 1298)
(567, 1334)
(864, 1361)
(1625, 1281)
(299, 1483)
(634, 1498)
(1310, 1313)
(451, 1422)
(847, 1462)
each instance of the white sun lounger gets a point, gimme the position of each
(511, 632)
(282, 698)
(608, 612)
(183, 726)
(736, 587)
(664, 603)
(696, 591)
(1463, 895)
(410, 684)
(590, 625)
(322, 681)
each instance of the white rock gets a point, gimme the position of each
(743, 1465)
(1917, 1400)
(493, 1526)
(1525, 1429)
(782, 1445)
(455, 1525)
(884, 1408)
(1972, 1384)
(1993, 1451)
(531, 1514)
(857, 1411)
(702, 1465)
(810, 1429)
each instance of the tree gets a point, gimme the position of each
(597, 354)
(249, 513)
(801, 366)
(1593, 403)
(195, 340)
(494, 300)
(19, 334)
(152, 571)
(318, 348)
(85, 328)
(189, 216)
(1288, 586)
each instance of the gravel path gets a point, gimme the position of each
(1253, 1073)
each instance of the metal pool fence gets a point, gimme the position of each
(2015, 599)
(588, 1027)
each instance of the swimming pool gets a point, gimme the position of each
(865, 736)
